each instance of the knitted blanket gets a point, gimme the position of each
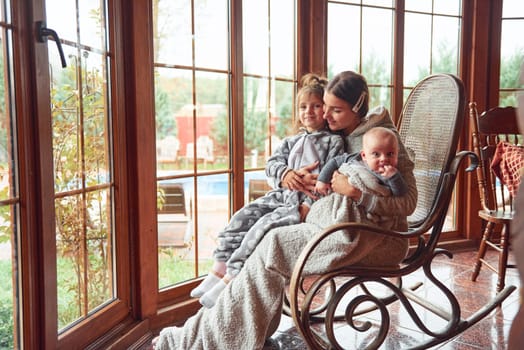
(507, 164)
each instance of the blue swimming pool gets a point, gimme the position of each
(215, 185)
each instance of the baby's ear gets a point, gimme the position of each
(363, 155)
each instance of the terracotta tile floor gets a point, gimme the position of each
(490, 333)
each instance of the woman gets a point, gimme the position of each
(248, 310)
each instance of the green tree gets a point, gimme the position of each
(509, 77)
(165, 120)
(80, 151)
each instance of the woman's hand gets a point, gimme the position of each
(341, 185)
(301, 180)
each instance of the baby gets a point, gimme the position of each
(379, 156)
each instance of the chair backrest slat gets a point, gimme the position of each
(490, 128)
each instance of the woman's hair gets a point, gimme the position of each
(310, 84)
(352, 88)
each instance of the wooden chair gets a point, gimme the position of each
(490, 129)
(429, 127)
(257, 188)
(174, 221)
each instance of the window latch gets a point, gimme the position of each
(42, 33)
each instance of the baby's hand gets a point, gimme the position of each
(322, 188)
(389, 171)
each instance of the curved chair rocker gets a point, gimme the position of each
(430, 125)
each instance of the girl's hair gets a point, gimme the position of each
(352, 88)
(310, 84)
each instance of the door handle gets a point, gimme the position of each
(42, 33)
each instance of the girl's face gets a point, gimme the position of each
(339, 115)
(310, 112)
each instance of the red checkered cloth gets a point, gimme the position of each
(508, 164)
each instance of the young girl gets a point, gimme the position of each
(279, 207)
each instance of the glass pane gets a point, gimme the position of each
(91, 24)
(385, 3)
(255, 36)
(172, 32)
(512, 8)
(213, 215)
(448, 7)
(377, 45)
(446, 38)
(255, 185)
(212, 120)
(282, 120)
(509, 98)
(174, 119)
(511, 58)
(282, 38)
(343, 42)
(9, 204)
(380, 96)
(62, 17)
(175, 231)
(417, 48)
(512, 53)
(82, 166)
(418, 5)
(211, 34)
(256, 116)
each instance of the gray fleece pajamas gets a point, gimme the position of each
(279, 207)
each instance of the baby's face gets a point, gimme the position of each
(380, 151)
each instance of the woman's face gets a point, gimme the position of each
(339, 115)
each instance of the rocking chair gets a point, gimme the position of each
(429, 127)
